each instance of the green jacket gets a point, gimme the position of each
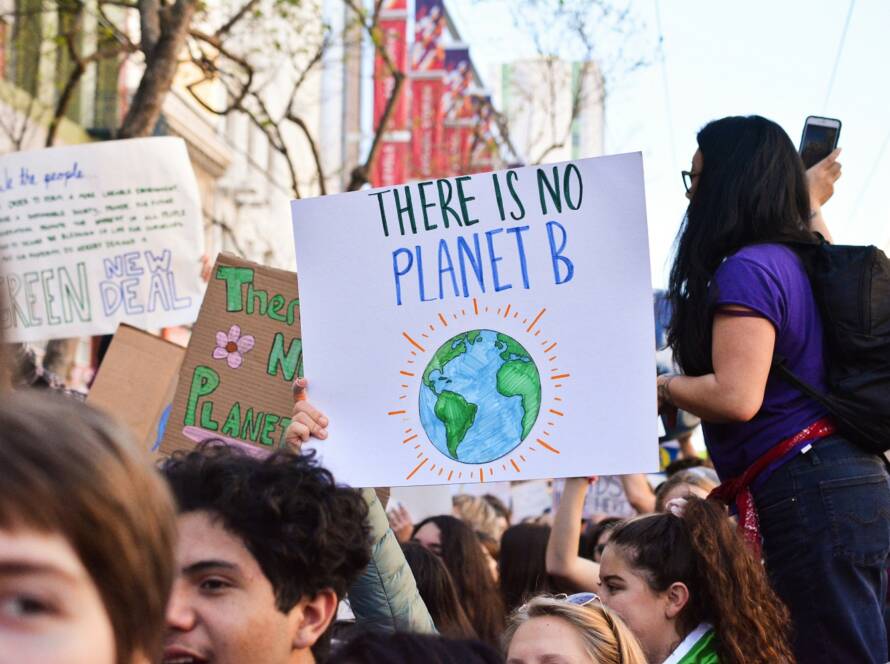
(385, 596)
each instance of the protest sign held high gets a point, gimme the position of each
(243, 356)
(93, 235)
(482, 328)
(136, 384)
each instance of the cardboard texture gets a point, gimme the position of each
(244, 354)
(136, 383)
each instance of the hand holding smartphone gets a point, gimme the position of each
(819, 139)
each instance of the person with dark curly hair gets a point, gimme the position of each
(690, 589)
(267, 548)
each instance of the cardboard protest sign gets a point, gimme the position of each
(98, 234)
(605, 496)
(136, 383)
(483, 328)
(244, 354)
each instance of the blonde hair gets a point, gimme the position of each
(607, 640)
(478, 513)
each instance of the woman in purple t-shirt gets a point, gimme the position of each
(739, 298)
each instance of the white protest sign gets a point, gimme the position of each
(530, 500)
(482, 328)
(605, 496)
(98, 234)
(421, 501)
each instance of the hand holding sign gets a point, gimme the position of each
(306, 420)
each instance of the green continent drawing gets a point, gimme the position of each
(480, 396)
(458, 417)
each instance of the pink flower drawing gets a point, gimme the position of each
(232, 346)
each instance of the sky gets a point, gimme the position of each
(718, 58)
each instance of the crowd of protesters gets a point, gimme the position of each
(216, 556)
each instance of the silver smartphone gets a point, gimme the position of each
(820, 137)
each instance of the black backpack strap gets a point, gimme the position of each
(800, 384)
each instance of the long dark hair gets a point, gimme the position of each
(727, 586)
(462, 555)
(438, 592)
(752, 189)
(523, 564)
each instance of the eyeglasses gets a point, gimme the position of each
(579, 599)
(688, 177)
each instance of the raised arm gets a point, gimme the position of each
(385, 596)
(562, 548)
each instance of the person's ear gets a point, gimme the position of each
(677, 597)
(311, 617)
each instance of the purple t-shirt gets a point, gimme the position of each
(770, 279)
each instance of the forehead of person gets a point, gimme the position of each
(547, 640)
(50, 609)
(224, 610)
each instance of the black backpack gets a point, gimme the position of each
(851, 285)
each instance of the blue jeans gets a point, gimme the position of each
(825, 521)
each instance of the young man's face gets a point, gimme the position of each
(223, 610)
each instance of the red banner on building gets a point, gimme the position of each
(391, 162)
(426, 125)
(457, 111)
(394, 28)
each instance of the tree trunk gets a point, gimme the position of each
(160, 68)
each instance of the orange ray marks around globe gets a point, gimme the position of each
(554, 370)
(490, 471)
(486, 309)
(409, 430)
(481, 475)
(537, 332)
(409, 438)
(551, 359)
(557, 398)
(416, 468)
(507, 311)
(515, 314)
(504, 466)
(397, 412)
(544, 444)
(463, 312)
(417, 447)
(441, 470)
(546, 433)
(442, 318)
(450, 475)
(410, 361)
(551, 424)
(545, 342)
(419, 454)
(454, 316)
(556, 412)
(459, 475)
(522, 457)
(405, 386)
(404, 396)
(475, 307)
(558, 385)
(524, 321)
(407, 373)
(550, 347)
(532, 448)
(515, 466)
(413, 343)
(499, 310)
(414, 353)
(424, 335)
(432, 468)
(558, 376)
(432, 328)
(535, 320)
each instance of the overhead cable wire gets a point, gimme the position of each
(837, 58)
